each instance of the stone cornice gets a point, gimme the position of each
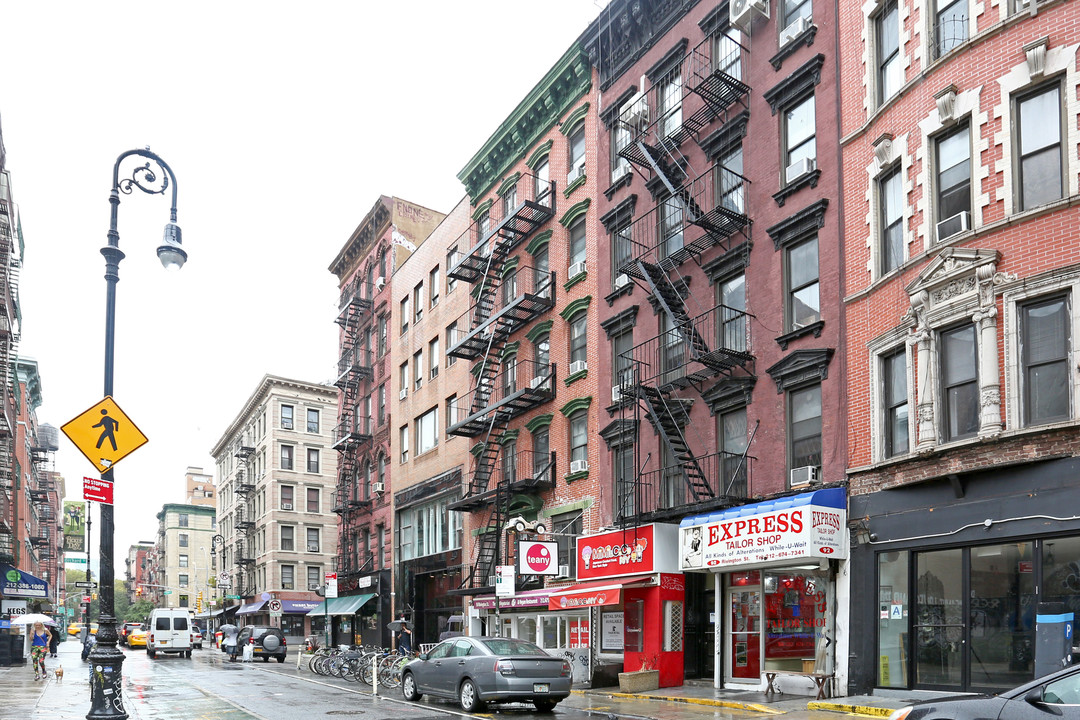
(267, 386)
(560, 88)
(363, 239)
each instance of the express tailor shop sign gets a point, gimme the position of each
(647, 549)
(810, 526)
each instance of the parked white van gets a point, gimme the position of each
(169, 632)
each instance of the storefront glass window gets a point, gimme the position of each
(796, 607)
(634, 626)
(892, 619)
(939, 622)
(292, 625)
(1002, 614)
(1061, 572)
(527, 629)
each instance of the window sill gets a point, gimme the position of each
(811, 329)
(575, 280)
(627, 289)
(575, 377)
(805, 38)
(568, 191)
(809, 179)
(572, 477)
(624, 181)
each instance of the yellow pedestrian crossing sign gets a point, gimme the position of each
(104, 434)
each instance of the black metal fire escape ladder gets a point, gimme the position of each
(667, 419)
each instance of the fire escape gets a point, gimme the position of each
(8, 341)
(507, 296)
(45, 540)
(244, 519)
(695, 346)
(355, 429)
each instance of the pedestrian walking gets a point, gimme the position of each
(229, 638)
(54, 643)
(404, 637)
(39, 648)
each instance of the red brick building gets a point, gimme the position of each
(365, 268)
(721, 309)
(959, 149)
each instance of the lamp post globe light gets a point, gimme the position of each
(154, 177)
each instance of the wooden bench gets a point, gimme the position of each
(823, 681)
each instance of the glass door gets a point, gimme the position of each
(939, 619)
(744, 616)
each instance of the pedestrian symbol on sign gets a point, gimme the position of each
(104, 434)
(108, 426)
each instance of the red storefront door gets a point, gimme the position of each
(744, 612)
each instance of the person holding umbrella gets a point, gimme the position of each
(404, 639)
(229, 638)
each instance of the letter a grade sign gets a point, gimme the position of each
(104, 434)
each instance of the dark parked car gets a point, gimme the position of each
(268, 641)
(1053, 695)
(479, 670)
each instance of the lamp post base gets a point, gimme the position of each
(106, 678)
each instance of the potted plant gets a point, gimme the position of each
(643, 680)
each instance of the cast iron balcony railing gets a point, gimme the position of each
(244, 485)
(522, 295)
(39, 496)
(523, 471)
(520, 387)
(356, 298)
(702, 214)
(353, 431)
(715, 342)
(354, 365)
(664, 493)
(515, 215)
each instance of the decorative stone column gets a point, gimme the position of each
(926, 433)
(985, 319)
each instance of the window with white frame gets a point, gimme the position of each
(510, 201)
(403, 378)
(576, 142)
(429, 528)
(183, 580)
(792, 11)
(542, 273)
(952, 154)
(451, 340)
(433, 358)
(732, 322)
(287, 577)
(313, 505)
(288, 538)
(800, 140)
(314, 576)
(434, 286)
(620, 138)
(313, 460)
(959, 382)
(418, 369)
(669, 102)
(183, 537)
(622, 360)
(803, 305)
(670, 218)
(542, 176)
(729, 180)
(312, 420)
(804, 426)
(1044, 356)
(622, 252)
(577, 243)
(890, 187)
(287, 493)
(894, 404)
(541, 446)
(890, 73)
(403, 442)
(731, 432)
(183, 561)
(579, 326)
(384, 322)
(286, 417)
(313, 542)
(404, 311)
(287, 457)
(418, 302)
(1039, 148)
(427, 431)
(452, 258)
(509, 286)
(579, 436)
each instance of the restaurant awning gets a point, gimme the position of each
(523, 599)
(342, 605)
(302, 607)
(251, 608)
(595, 594)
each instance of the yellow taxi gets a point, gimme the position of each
(137, 637)
(76, 627)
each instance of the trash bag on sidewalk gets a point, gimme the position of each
(249, 652)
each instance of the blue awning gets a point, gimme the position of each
(808, 526)
(251, 608)
(302, 607)
(15, 583)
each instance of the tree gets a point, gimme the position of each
(138, 612)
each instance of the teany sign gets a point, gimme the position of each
(537, 558)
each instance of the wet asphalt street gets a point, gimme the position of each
(209, 687)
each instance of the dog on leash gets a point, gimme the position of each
(59, 674)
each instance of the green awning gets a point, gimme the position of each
(342, 605)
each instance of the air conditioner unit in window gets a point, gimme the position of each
(958, 223)
(577, 466)
(380, 282)
(807, 475)
(578, 366)
(794, 30)
(574, 174)
(492, 579)
(741, 12)
(313, 586)
(616, 393)
(621, 280)
(312, 547)
(620, 171)
(403, 394)
(635, 111)
(286, 506)
(537, 381)
(378, 487)
(575, 270)
(564, 571)
(799, 168)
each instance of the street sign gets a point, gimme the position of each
(232, 597)
(222, 577)
(97, 490)
(86, 599)
(166, 592)
(74, 560)
(104, 434)
(504, 581)
(83, 584)
(331, 584)
(275, 608)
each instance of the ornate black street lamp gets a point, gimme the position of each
(106, 660)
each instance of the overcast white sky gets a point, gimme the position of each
(283, 124)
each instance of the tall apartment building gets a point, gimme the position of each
(200, 487)
(959, 148)
(716, 126)
(426, 464)
(184, 562)
(276, 470)
(365, 268)
(137, 570)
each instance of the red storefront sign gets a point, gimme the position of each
(647, 549)
(579, 634)
(594, 594)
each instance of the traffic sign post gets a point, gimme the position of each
(104, 434)
(82, 584)
(97, 490)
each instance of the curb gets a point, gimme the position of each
(754, 707)
(865, 710)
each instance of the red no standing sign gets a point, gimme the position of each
(97, 490)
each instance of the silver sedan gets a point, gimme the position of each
(479, 670)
